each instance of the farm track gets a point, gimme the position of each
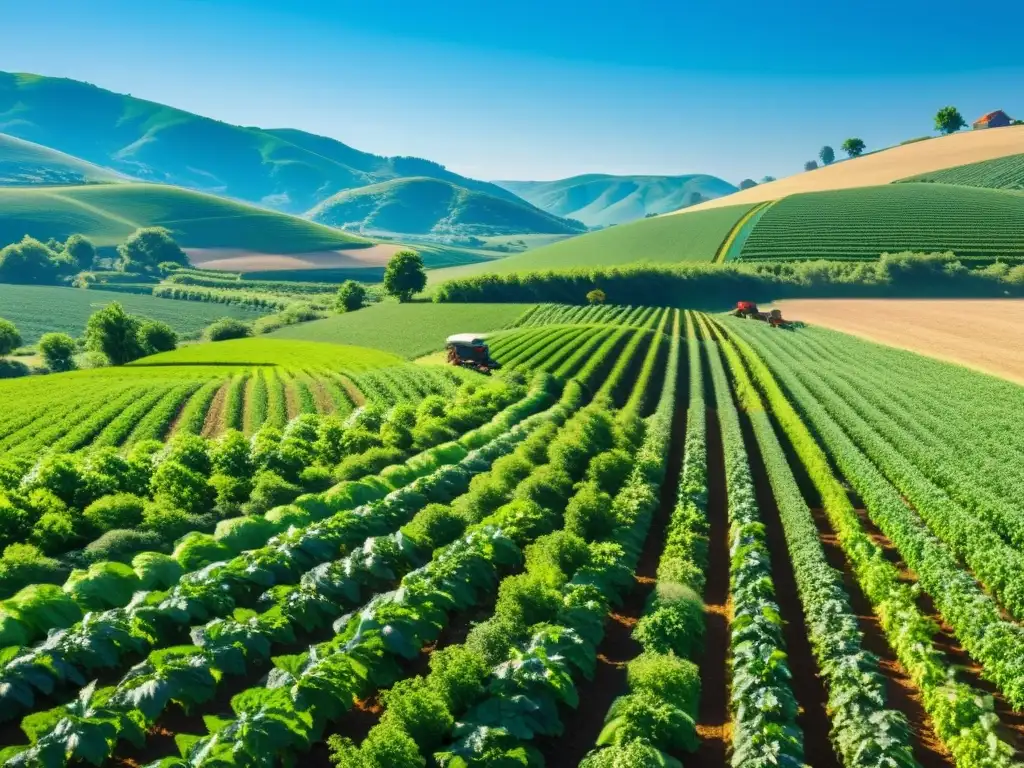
(215, 414)
(584, 724)
(713, 711)
(808, 685)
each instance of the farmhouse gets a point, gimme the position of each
(997, 119)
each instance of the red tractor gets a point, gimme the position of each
(749, 310)
(470, 351)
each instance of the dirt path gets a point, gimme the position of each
(583, 725)
(808, 686)
(984, 334)
(215, 413)
(358, 398)
(713, 712)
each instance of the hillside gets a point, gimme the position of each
(660, 239)
(424, 206)
(886, 166)
(285, 169)
(600, 200)
(23, 163)
(107, 213)
(999, 173)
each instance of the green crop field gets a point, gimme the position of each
(605, 554)
(408, 330)
(678, 237)
(108, 213)
(863, 223)
(1000, 173)
(39, 309)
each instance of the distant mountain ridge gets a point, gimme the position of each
(23, 163)
(284, 169)
(428, 206)
(601, 200)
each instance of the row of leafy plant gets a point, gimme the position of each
(963, 717)
(560, 314)
(996, 642)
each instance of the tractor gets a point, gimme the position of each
(749, 310)
(469, 350)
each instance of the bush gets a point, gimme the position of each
(182, 487)
(227, 328)
(458, 674)
(610, 470)
(526, 599)
(10, 339)
(270, 490)
(120, 544)
(316, 479)
(548, 486)
(413, 707)
(155, 337)
(232, 455)
(23, 564)
(434, 526)
(54, 532)
(231, 492)
(671, 678)
(351, 296)
(121, 510)
(674, 623)
(58, 351)
(170, 523)
(645, 717)
(14, 522)
(197, 550)
(369, 462)
(589, 513)
(156, 570)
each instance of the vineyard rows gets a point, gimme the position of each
(656, 538)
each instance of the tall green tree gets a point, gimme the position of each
(155, 336)
(827, 155)
(115, 333)
(948, 120)
(81, 251)
(10, 339)
(854, 147)
(148, 247)
(405, 275)
(748, 184)
(28, 261)
(58, 351)
(351, 296)
(810, 165)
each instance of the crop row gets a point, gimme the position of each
(562, 314)
(963, 718)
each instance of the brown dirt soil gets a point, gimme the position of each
(172, 428)
(358, 398)
(238, 260)
(215, 415)
(713, 724)
(984, 334)
(884, 167)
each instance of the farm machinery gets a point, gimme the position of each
(470, 351)
(749, 310)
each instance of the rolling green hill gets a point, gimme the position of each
(999, 173)
(284, 169)
(863, 223)
(600, 200)
(108, 213)
(424, 206)
(23, 163)
(693, 237)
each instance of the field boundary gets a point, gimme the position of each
(722, 254)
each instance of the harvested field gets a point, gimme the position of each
(984, 334)
(240, 260)
(883, 167)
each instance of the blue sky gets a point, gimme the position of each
(544, 89)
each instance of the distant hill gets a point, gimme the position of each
(284, 169)
(601, 200)
(886, 166)
(107, 213)
(422, 206)
(23, 163)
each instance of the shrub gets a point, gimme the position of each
(547, 486)
(156, 570)
(190, 451)
(10, 339)
(433, 526)
(351, 296)
(54, 532)
(316, 479)
(671, 678)
(170, 523)
(527, 599)
(491, 640)
(58, 351)
(121, 510)
(227, 328)
(589, 513)
(644, 716)
(417, 709)
(102, 585)
(114, 332)
(610, 470)
(182, 487)
(369, 462)
(155, 337)
(458, 675)
(197, 550)
(120, 544)
(23, 564)
(231, 491)
(232, 455)
(675, 623)
(270, 490)
(14, 522)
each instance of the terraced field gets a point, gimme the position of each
(604, 556)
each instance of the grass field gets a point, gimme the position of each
(25, 163)
(408, 330)
(1000, 173)
(39, 309)
(863, 223)
(108, 213)
(660, 239)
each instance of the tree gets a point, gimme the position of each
(155, 336)
(227, 328)
(767, 179)
(596, 296)
(81, 251)
(351, 296)
(114, 332)
(28, 261)
(827, 155)
(747, 184)
(404, 275)
(810, 165)
(148, 247)
(10, 339)
(58, 351)
(853, 147)
(948, 120)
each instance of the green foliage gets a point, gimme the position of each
(827, 155)
(853, 147)
(948, 120)
(404, 275)
(351, 296)
(81, 251)
(29, 262)
(58, 351)
(148, 247)
(227, 328)
(114, 332)
(122, 510)
(155, 337)
(596, 296)
(810, 165)
(998, 173)
(10, 339)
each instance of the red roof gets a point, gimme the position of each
(990, 115)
